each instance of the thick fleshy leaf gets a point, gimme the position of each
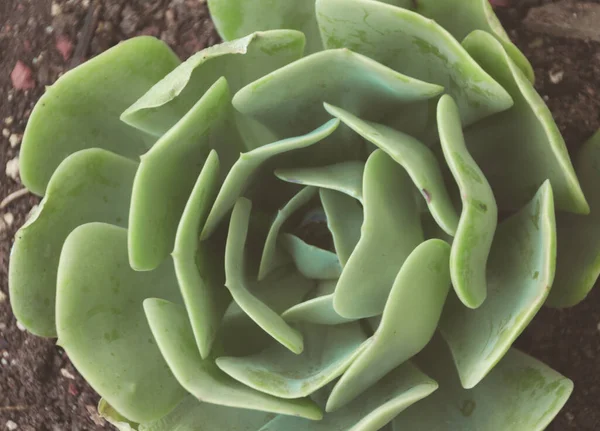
(373, 410)
(520, 273)
(167, 175)
(239, 61)
(471, 246)
(81, 110)
(262, 314)
(474, 15)
(90, 185)
(248, 166)
(202, 378)
(520, 394)
(280, 290)
(519, 149)
(409, 320)
(318, 310)
(345, 177)
(115, 418)
(199, 265)
(101, 324)
(413, 45)
(312, 262)
(344, 219)
(237, 18)
(391, 231)
(329, 351)
(578, 254)
(291, 98)
(416, 158)
(270, 259)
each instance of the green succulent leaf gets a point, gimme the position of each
(477, 225)
(391, 231)
(520, 394)
(167, 175)
(329, 351)
(90, 185)
(418, 160)
(312, 262)
(202, 378)
(416, 301)
(578, 255)
(81, 110)
(101, 324)
(519, 149)
(373, 410)
(412, 45)
(115, 418)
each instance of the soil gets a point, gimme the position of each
(39, 388)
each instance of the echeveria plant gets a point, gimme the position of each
(298, 229)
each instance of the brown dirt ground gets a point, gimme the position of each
(39, 388)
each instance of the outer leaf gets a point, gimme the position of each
(390, 232)
(373, 410)
(199, 268)
(344, 219)
(115, 418)
(329, 352)
(269, 260)
(167, 175)
(312, 262)
(258, 311)
(101, 323)
(81, 110)
(345, 177)
(520, 273)
(520, 148)
(471, 247)
(318, 310)
(409, 320)
(240, 62)
(237, 18)
(418, 160)
(90, 185)
(578, 263)
(413, 45)
(291, 98)
(246, 167)
(202, 378)
(520, 394)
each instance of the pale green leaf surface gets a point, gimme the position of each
(520, 394)
(248, 166)
(477, 225)
(312, 262)
(202, 378)
(115, 418)
(237, 18)
(328, 352)
(199, 265)
(259, 312)
(409, 320)
(391, 231)
(413, 45)
(239, 61)
(81, 110)
(318, 310)
(418, 160)
(520, 272)
(90, 185)
(519, 149)
(345, 177)
(371, 411)
(270, 259)
(578, 254)
(344, 219)
(167, 175)
(101, 324)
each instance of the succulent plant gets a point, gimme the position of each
(340, 219)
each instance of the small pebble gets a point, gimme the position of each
(5, 133)
(9, 219)
(3, 298)
(66, 374)
(556, 76)
(20, 326)
(12, 168)
(11, 425)
(49, 29)
(8, 120)
(5, 354)
(3, 362)
(2, 324)
(55, 10)
(14, 140)
(598, 326)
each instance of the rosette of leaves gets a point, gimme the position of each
(298, 229)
